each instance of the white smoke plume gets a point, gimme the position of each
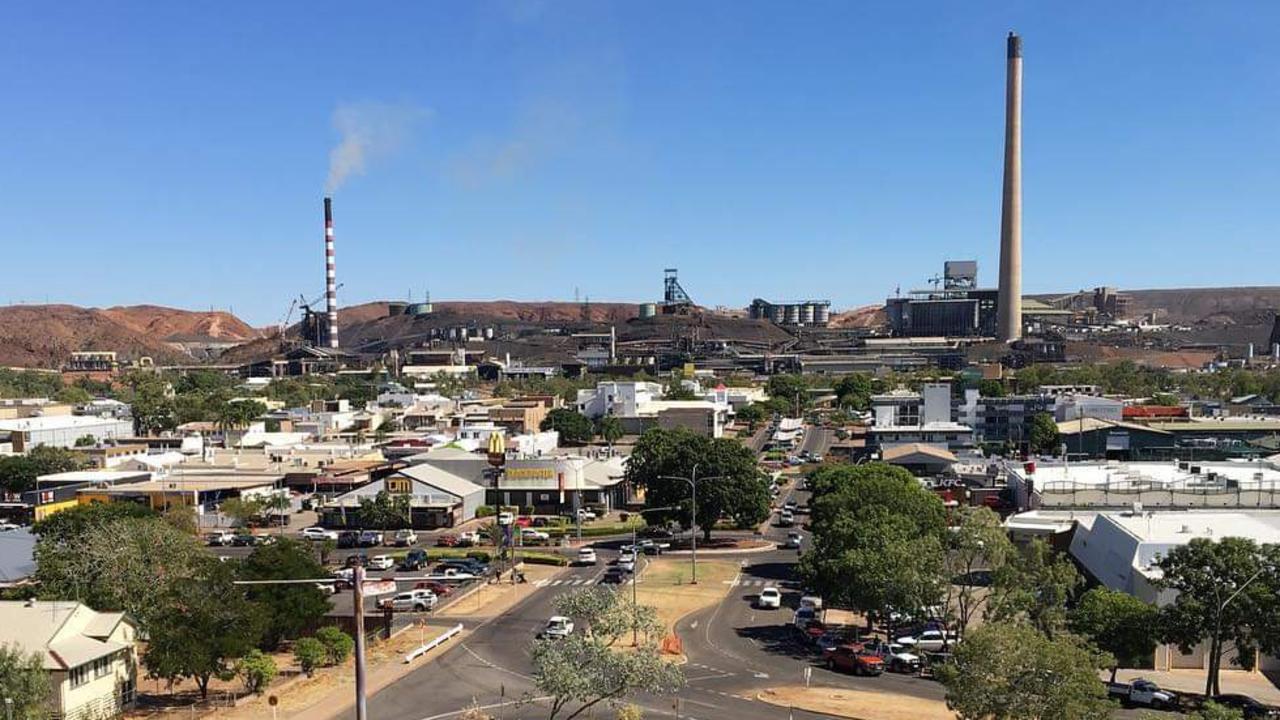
(368, 131)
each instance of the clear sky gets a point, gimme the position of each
(177, 152)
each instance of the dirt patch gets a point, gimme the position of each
(856, 704)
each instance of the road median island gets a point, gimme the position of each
(665, 586)
(856, 704)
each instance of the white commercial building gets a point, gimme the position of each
(1158, 484)
(639, 404)
(617, 398)
(61, 431)
(904, 417)
(1074, 407)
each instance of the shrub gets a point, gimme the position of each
(337, 644)
(309, 653)
(480, 555)
(484, 511)
(256, 671)
(630, 712)
(544, 559)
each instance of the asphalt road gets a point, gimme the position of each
(817, 439)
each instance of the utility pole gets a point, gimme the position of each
(358, 603)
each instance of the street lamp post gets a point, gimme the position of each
(1210, 683)
(693, 536)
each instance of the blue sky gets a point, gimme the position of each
(177, 153)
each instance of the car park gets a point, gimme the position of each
(769, 599)
(586, 556)
(853, 659)
(414, 560)
(412, 601)
(381, 562)
(370, 538)
(405, 538)
(557, 627)
(318, 533)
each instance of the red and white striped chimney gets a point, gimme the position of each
(330, 277)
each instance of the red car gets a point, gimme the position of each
(524, 522)
(439, 588)
(853, 659)
(447, 540)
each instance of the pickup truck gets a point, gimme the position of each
(851, 658)
(1142, 693)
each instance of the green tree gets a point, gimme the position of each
(384, 510)
(1213, 711)
(112, 560)
(1044, 435)
(977, 543)
(199, 628)
(23, 681)
(991, 388)
(290, 609)
(586, 669)
(609, 429)
(18, 473)
(310, 654)
(729, 482)
(151, 405)
(244, 511)
(1117, 623)
(752, 415)
(675, 389)
(1226, 594)
(72, 394)
(256, 670)
(792, 392)
(877, 541)
(854, 391)
(1034, 586)
(337, 644)
(1013, 672)
(573, 426)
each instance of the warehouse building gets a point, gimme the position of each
(60, 431)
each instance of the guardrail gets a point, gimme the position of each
(435, 643)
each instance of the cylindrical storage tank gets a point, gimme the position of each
(648, 310)
(420, 309)
(396, 308)
(806, 314)
(777, 314)
(792, 315)
(822, 315)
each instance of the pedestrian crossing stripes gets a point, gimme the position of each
(754, 582)
(570, 582)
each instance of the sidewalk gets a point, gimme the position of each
(1255, 685)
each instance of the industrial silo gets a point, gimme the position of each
(792, 315)
(823, 314)
(648, 310)
(422, 308)
(806, 314)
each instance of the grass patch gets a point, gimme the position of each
(665, 586)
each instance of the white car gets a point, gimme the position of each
(6, 526)
(381, 562)
(220, 538)
(587, 556)
(529, 536)
(793, 541)
(811, 601)
(586, 514)
(318, 533)
(927, 641)
(506, 518)
(327, 588)
(627, 564)
(452, 574)
(413, 601)
(628, 553)
(769, 599)
(405, 538)
(557, 627)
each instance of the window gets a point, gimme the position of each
(79, 675)
(102, 667)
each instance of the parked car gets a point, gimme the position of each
(479, 567)
(769, 598)
(412, 601)
(6, 526)
(584, 514)
(927, 641)
(370, 538)
(447, 540)
(586, 556)
(811, 601)
(414, 560)
(318, 533)
(836, 636)
(852, 659)
(405, 538)
(803, 618)
(557, 627)
(435, 586)
(506, 518)
(1247, 706)
(343, 579)
(357, 560)
(1143, 693)
(815, 458)
(786, 519)
(348, 539)
(790, 506)
(529, 536)
(244, 540)
(896, 657)
(467, 539)
(328, 588)
(524, 522)
(381, 562)
(220, 538)
(453, 574)
(793, 541)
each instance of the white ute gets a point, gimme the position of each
(557, 627)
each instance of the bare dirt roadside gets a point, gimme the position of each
(856, 704)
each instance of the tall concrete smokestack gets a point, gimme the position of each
(1010, 310)
(330, 277)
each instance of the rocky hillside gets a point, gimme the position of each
(45, 335)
